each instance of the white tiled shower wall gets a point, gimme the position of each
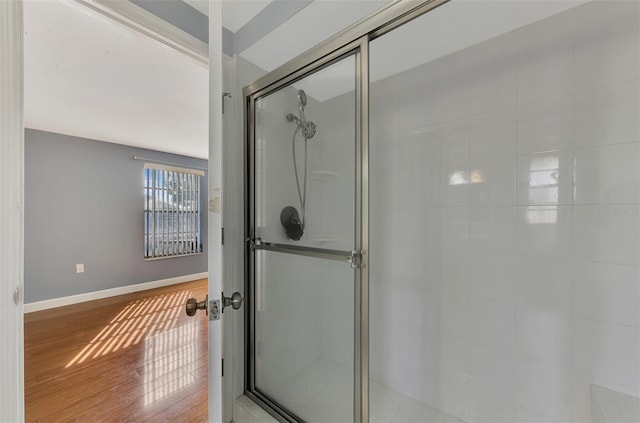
(505, 220)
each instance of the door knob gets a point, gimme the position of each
(235, 301)
(193, 306)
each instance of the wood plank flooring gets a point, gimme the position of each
(131, 358)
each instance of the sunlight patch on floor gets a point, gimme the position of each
(167, 355)
(138, 319)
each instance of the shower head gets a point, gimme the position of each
(302, 98)
(308, 129)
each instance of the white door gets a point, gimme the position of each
(220, 389)
(11, 212)
(217, 412)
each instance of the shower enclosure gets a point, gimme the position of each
(466, 246)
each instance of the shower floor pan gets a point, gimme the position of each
(322, 393)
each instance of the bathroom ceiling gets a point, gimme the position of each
(88, 76)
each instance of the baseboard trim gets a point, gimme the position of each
(89, 296)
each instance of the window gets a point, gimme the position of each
(172, 211)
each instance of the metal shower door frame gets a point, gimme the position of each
(353, 40)
(357, 257)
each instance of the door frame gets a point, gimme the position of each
(353, 39)
(12, 190)
(12, 210)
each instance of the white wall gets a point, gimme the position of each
(505, 220)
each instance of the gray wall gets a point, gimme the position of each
(84, 204)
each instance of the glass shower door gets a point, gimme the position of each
(304, 230)
(505, 213)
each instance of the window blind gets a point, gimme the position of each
(172, 206)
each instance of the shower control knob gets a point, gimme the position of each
(235, 301)
(193, 306)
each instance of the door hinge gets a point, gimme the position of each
(223, 367)
(16, 296)
(223, 96)
(222, 237)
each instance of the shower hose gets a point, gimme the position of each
(302, 193)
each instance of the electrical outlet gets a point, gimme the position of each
(80, 268)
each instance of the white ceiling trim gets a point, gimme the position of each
(137, 18)
(201, 6)
(268, 19)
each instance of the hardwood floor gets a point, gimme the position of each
(131, 358)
